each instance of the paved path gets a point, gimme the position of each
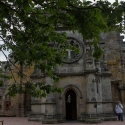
(24, 121)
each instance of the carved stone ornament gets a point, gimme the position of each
(105, 66)
(97, 65)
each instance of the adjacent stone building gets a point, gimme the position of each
(90, 88)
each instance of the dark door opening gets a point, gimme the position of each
(71, 111)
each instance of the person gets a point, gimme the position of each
(119, 110)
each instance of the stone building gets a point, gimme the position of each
(90, 88)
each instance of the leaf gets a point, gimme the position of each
(34, 30)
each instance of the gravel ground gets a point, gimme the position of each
(24, 121)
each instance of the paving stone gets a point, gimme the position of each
(24, 121)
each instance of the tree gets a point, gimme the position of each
(28, 29)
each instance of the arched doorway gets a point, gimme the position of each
(71, 110)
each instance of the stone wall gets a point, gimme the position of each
(12, 109)
(92, 88)
(114, 48)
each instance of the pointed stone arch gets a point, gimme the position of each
(78, 98)
(74, 88)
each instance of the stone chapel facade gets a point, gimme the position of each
(90, 88)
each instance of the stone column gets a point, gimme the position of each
(89, 59)
(98, 81)
(91, 95)
(90, 81)
(50, 106)
(37, 104)
(106, 91)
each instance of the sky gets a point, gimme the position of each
(3, 58)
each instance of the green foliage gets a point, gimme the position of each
(3, 77)
(13, 90)
(1, 83)
(27, 27)
(97, 52)
(38, 89)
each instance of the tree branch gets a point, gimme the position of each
(9, 65)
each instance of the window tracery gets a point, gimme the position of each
(74, 52)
